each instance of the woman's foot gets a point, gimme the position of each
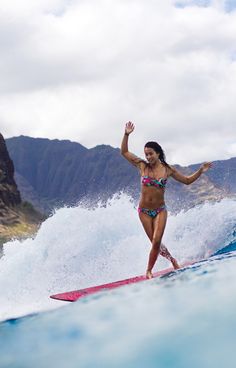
(175, 263)
(149, 274)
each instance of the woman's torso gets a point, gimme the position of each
(153, 182)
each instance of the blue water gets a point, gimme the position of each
(231, 247)
(185, 319)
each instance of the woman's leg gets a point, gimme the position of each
(147, 223)
(159, 224)
(165, 253)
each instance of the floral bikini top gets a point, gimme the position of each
(151, 182)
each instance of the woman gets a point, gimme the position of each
(152, 209)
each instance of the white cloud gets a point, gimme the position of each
(80, 69)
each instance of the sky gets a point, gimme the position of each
(80, 69)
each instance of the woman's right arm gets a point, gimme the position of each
(129, 128)
(136, 161)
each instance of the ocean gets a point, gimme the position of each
(185, 319)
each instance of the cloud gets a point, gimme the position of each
(80, 69)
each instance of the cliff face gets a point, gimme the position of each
(17, 219)
(64, 172)
(53, 170)
(9, 194)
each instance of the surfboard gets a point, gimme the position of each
(72, 296)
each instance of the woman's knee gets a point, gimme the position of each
(156, 242)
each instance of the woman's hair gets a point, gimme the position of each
(158, 149)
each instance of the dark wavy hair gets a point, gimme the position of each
(158, 149)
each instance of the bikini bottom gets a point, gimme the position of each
(152, 212)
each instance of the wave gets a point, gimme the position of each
(80, 247)
(229, 248)
(171, 320)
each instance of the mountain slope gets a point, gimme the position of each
(64, 172)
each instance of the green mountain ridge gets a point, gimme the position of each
(55, 173)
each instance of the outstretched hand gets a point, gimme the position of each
(206, 166)
(129, 127)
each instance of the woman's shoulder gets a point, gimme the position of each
(142, 166)
(169, 170)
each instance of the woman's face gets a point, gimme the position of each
(151, 155)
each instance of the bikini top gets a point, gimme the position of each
(158, 183)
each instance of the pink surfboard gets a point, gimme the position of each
(72, 296)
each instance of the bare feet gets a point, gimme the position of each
(149, 274)
(175, 264)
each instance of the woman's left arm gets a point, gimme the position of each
(191, 178)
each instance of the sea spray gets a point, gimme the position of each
(79, 247)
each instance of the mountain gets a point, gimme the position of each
(16, 217)
(64, 172)
(52, 173)
(9, 194)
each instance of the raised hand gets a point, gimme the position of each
(129, 127)
(206, 166)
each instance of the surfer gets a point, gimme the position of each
(152, 209)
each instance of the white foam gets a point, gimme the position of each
(78, 247)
